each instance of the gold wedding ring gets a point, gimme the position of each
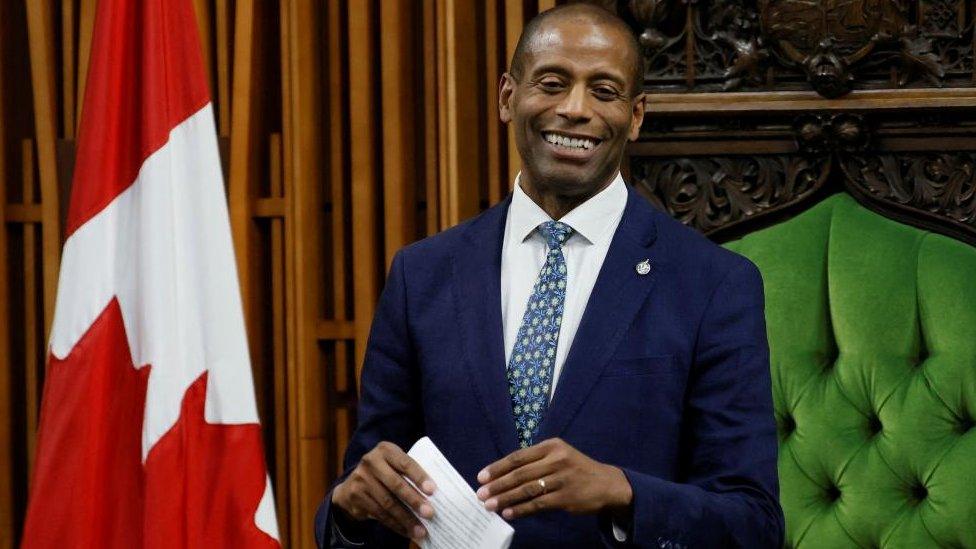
(542, 484)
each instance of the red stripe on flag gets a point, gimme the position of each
(146, 76)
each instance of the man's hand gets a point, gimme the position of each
(372, 489)
(570, 481)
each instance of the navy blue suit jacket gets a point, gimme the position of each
(667, 378)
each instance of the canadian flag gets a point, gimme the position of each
(149, 432)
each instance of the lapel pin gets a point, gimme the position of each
(644, 267)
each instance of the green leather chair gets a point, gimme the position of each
(872, 335)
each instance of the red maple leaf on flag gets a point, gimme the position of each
(102, 495)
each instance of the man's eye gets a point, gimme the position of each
(551, 85)
(604, 92)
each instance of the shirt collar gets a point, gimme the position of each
(592, 219)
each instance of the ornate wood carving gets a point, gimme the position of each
(831, 46)
(714, 194)
(821, 133)
(935, 190)
(751, 171)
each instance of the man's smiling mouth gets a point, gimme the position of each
(570, 142)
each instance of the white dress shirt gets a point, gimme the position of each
(524, 252)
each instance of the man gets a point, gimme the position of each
(598, 372)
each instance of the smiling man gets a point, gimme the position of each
(596, 371)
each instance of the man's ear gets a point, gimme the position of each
(637, 116)
(506, 87)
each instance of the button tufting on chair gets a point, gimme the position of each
(919, 492)
(789, 425)
(874, 425)
(832, 493)
(872, 336)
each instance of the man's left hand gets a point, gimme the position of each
(553, 475)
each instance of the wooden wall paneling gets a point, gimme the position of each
(342, 327)
(203, 10)
(303, 142)
(40, 26)
(365, 149)
(32, 363)
(223, 24)
(494, 130)
(6, 373)
(400, 120)
(7, 443)
(278, 335)
(443, 198)
(341, 332)
(68, 66)
(86, 24)
(464, 132)
(430, 31)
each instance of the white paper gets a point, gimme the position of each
(460, 518)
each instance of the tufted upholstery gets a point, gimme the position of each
(872, 334)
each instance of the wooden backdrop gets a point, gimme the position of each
(348, 128)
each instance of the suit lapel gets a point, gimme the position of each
(618, 294)
(477, 274)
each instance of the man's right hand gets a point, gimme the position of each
(376, 488)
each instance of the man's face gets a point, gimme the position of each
(572, 108)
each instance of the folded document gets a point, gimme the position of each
(460, 519)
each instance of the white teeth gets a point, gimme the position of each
(569, 142)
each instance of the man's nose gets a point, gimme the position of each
(574, 105)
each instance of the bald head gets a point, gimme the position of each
(534, 30)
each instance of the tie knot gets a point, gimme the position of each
(556, 233)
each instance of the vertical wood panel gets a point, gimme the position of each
(339, 191)
(296, 352)
(86, 24)
(303, 139)
(443, 187)
(222, 95)
(40, 27)
(364, 147)
(400, 120)
(337, 174)
(244, 151)
(464, 139)
(7, 471)
(431, 119)
(278, 339)
(29, 262)
(494, 67)
(68, 66)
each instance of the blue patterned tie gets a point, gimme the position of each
(530, 368)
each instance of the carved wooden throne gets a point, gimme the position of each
(834, 143)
